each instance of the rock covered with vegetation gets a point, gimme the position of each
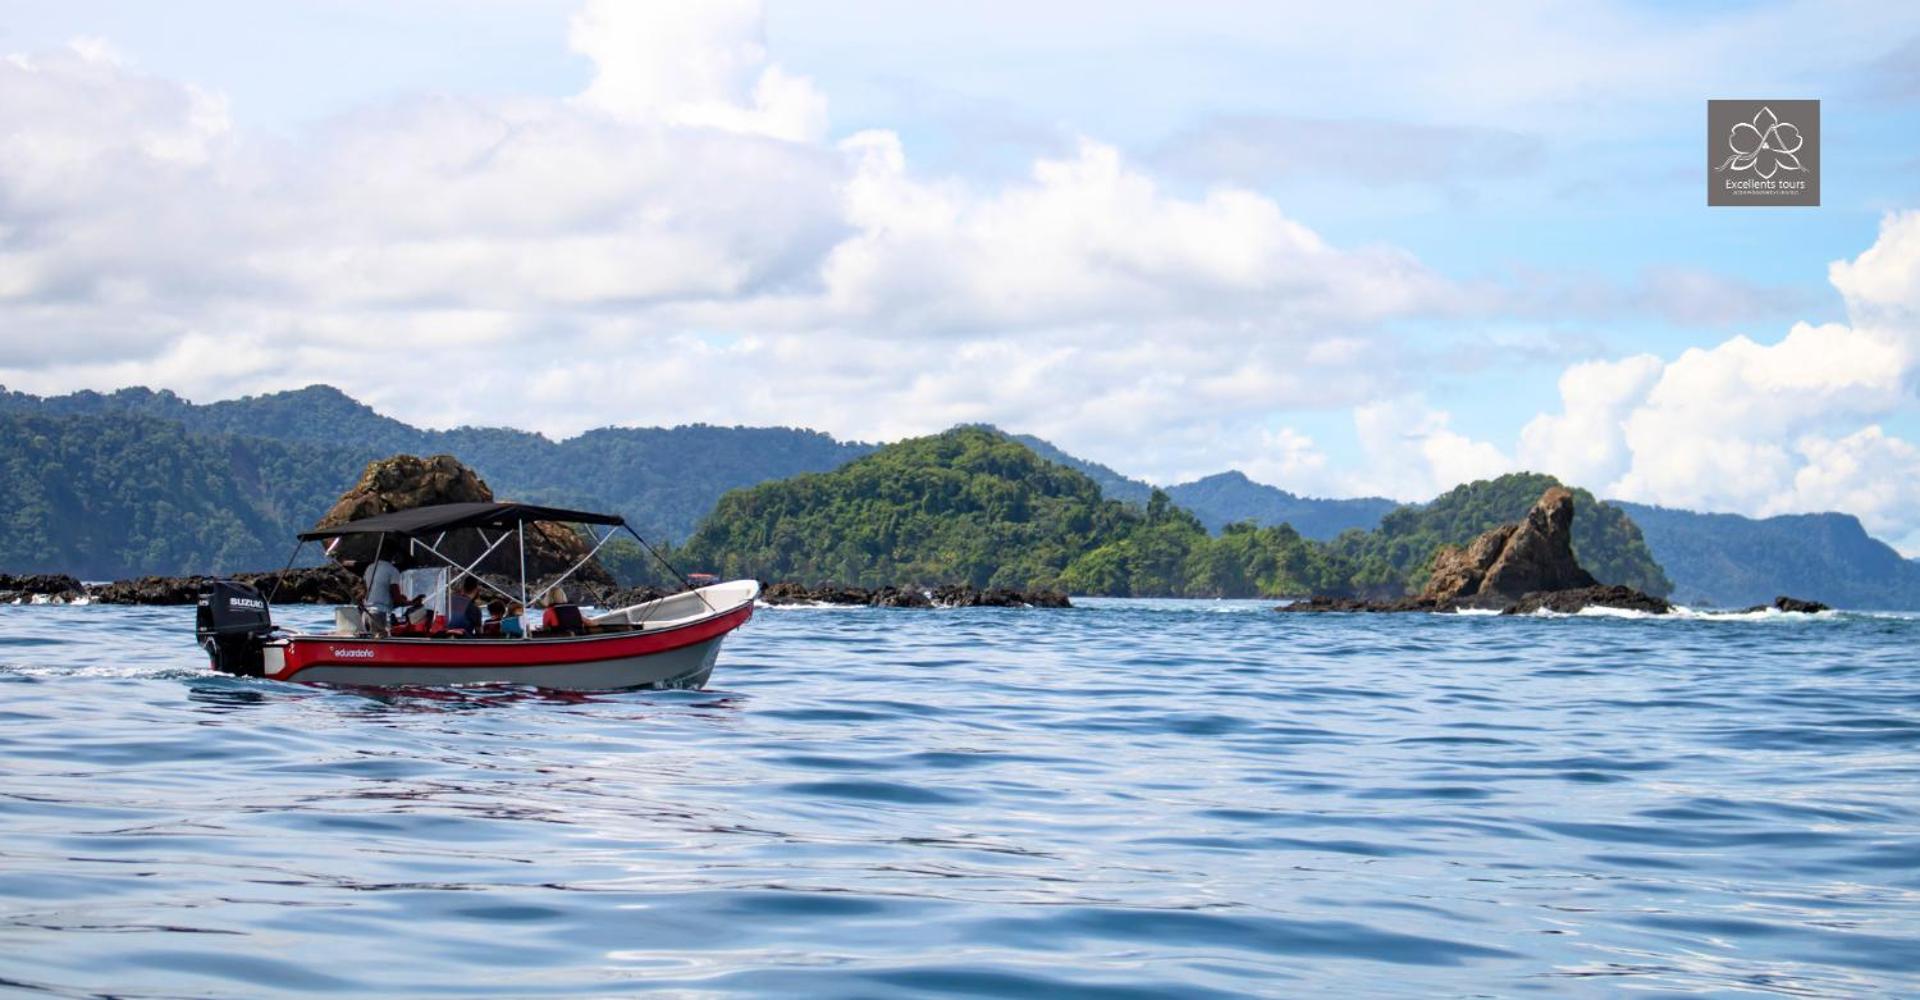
(404, 482)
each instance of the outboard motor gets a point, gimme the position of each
(232, 623)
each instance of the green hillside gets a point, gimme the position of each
(662, 479)
(107, 497)
(968, 506)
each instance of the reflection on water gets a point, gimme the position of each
(1128, 799)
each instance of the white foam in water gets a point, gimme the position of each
(1683, 613)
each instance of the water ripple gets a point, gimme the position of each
(1131, 799)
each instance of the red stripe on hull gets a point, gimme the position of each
(304, 651)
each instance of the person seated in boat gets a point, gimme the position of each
(496, 610)
(562, 615)
(463, 607)
(507, 619)
(384, 596)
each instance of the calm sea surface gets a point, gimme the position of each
(1126, 799)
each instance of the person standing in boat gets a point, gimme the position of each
(382, 579)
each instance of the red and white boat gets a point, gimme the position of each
(669, 642)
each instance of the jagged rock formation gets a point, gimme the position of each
(1517, 568)
(1513, 560)
(403, 482)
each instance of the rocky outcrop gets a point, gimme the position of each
(53, 588)
(308, 585)
(1572, 600)
(997, 597)
(957, 596)
(1513, 560)
(1514, 568)
(1791, 605)
(404, 482)
(899, 597)
(796, 593)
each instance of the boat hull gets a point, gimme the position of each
(679, 655)
(686, 667)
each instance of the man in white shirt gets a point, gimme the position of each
(382, 579)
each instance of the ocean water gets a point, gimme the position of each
(1126, 799)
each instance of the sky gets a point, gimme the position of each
(1348, 249)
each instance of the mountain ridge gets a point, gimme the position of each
(1728, 560)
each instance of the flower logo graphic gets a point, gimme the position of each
(1765, 145)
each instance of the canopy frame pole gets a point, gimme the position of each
(379, 548)
(275, 589)
(576, 566)
(366, 588)
(520, 528)
(467, 570)
(684, 582)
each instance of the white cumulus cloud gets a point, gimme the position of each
(680, 241)
(1762, 428)
(1413, 453)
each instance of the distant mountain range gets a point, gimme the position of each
(142, 481)
(1725, 560)
(1224, 498)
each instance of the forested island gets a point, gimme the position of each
(975, 506)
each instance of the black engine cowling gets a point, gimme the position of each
(232, 624)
